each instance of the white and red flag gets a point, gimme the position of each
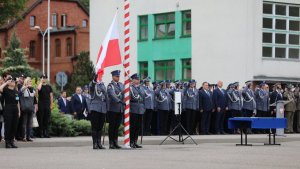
(109, 53)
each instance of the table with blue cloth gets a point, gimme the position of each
(244, 123)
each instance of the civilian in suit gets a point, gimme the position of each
(78, 104)
(220, 102)
(275, 96)
(64, 103)
(206, 106)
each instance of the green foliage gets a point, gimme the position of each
(15, 62)
(85, 3)
(10, 9)
(83, 72)
(61, 125)
(82, 127)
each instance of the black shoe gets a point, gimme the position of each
(112, 146)
(95, 146)
(116, 145)
(47, 136)
(8, 145)
(137, 146)
(13, 145)
(132, 145)
(101, 147)
(29, 139)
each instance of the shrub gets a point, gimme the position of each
(82, 127)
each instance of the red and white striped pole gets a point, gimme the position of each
(127, 73)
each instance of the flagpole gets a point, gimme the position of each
(126, 65)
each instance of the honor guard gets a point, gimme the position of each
(163, 106)
(149, 105)
(155, 119)
(98, 110)
(262, 100)
(171, 118)
(115, 91)
(191, 96)
(137, 110)
(249, 104)
(235, 100)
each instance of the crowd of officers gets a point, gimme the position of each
(205, 110)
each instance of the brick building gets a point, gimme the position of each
(69, 35)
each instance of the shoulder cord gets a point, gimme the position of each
(250, 98)
(147, 94)
(163, 97)
(113, 87)
(137, 97)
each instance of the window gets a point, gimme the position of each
(164, 70)
(69, 47)
(32, 49)
(281, 30)
(54, 20)
(165, 25)
(32, 21)
(84, 23)
(63, 20)
(143, 27)
(144, 69)
(57, 48)
(186, 23)
(186, 69)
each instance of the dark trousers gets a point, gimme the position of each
(11, 118)
(219, 121)
(80, 116)
(247, 113)
(189, 121)
(163, 121)
(114, 119)
(154, 123)
(26, 123)
(135, 126)
(97, 121)
(205, 121)
(236, 113)
(147, 122)
(43, 117)
(260, 113)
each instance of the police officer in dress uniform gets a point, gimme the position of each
(115, 91)
(191, 115)
(149, 105)
(163, 107)
(97, 110)
(137, 110)
(155, 119)
(262, 102)
(249, 103)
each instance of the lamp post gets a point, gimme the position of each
(48, 64)
(38, 28)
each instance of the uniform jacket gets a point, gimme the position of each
(163, 99)
(115, 93)
(98, 100)
(149, 97)
(291, 105)
(191, 98)
(249, 102)
(235, 101)
(137, 100)
(262, 100)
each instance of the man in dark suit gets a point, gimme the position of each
(275, 96)
(78, 104)
(64, 103)
(220, 102)
(206, 107)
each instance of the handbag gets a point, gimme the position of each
(27, 103)
(35, 122)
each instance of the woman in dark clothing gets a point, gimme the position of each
(11, 111)
(1, 110)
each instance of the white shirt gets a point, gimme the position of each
(80, 97)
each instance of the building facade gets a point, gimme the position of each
(233, 40)
(69, 34)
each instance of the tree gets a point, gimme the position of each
(15, 62)
(85, 3)
(10, 9)
(83, 71)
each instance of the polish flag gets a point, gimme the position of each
(109, 54)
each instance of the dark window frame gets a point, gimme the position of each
(143, 25)
(186, 20)
(165, 68)
(165, 22)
